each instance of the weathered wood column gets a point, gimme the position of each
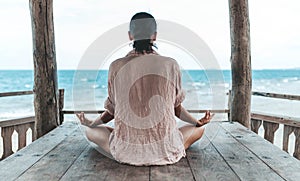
(45, 71)
(240, 62)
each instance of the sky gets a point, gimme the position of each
(274, 28)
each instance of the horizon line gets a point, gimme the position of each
(295, 68)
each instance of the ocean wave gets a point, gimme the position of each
(290, 79)
(198, 84)
(27, 85)
(95, 86)
(15, 114)
(84, 80)
(226, 85)
(285, 80)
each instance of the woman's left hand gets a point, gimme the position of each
(84, 121)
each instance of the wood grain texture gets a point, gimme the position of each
(178, 171)
(45, 69)
(101, 111)
(286, 120)
(297, 143)
(6, 133)
(240, 108)
(7, 94)
(61, 102)
(246, 164)
(21, 130)
(234, 154)
(255, 125)
(118, 171)
(207, 164)
(17, 121)
(18, 163)
(20, 125)
(273, 95)
(55, 163)
(279, 161)
(90, 165)
(287, 130)
(94, 166)
(33, 137)
(270, 129)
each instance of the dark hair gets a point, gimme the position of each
(142, 27)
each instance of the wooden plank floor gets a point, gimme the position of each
(235, 153)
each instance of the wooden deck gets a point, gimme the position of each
(234, 154)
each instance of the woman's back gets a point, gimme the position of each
(143, 91)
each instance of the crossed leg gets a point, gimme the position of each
(100, 136)
(191, 134)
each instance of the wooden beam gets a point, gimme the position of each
(17, 121)
(101, 111)
(273, 95)
(240, 62)
(45, 71)
(7, 94)
(290, 121)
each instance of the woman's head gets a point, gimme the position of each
(142, 30)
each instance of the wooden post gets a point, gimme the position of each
(45, 71)
(240, 62)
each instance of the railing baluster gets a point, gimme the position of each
(21, 129)
(229, 105)
(255, 125)
(32, 131)
(297, 143)
(6, 133)
(270, 129)
(61, 105)
(287, 130)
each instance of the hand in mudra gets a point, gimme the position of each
(206, 119)
(83, 120)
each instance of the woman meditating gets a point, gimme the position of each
(144, 96)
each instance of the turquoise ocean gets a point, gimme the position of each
(194, 82)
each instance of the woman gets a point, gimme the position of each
(144, 94)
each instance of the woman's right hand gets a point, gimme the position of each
(84, 121)
(206, 119)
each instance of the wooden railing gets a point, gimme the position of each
(21, 125)
(101, 111)
(271, 123)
